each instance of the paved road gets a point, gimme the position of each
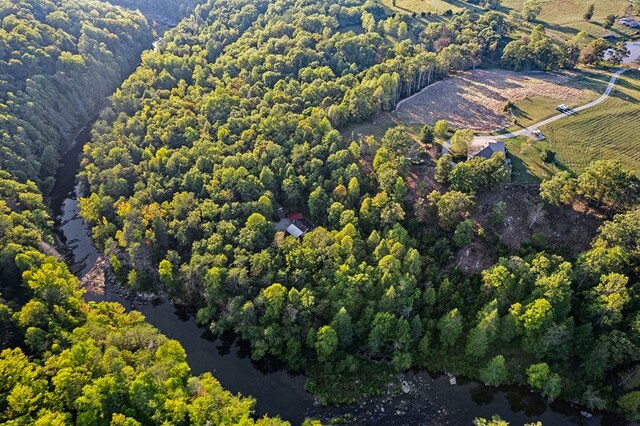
(482, 140)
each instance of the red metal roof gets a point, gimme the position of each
(295, 216)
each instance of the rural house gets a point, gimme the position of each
(488, 151)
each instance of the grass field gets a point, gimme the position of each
(475, 99)
(527, 166)
(534, 109)
(419, 6)
(610, 130)
(564, 18)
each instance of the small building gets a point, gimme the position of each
(488, 151)
(299, 227)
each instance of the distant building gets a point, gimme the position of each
(488, 151)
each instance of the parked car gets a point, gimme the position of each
(563, 108)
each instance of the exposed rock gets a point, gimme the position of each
(96, 279)
(49, 250)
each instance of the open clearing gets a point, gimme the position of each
(475, 99)
(563, 18)
(610, 130)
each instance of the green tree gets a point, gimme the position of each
(427, 134)
(450, 327)
(443, 168)
(368, 22)
(609, 21)
(326, 343)
(531, 9)
(630, 405)
(441, 128)
(495, 373)
(593, 52)
(453, 207)
(460, 142)
(560, 189)
(397, 141)
(257, 232)
(540, 378)
(318, 204)
(464, 233)
(589, 13)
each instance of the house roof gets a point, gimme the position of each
(299, 228)
(488, 151)
(295, 216)
(295, 231)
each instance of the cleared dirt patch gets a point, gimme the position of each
(475, 99)
(569, 229)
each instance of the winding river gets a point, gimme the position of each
(430, 400)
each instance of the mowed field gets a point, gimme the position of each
(475, 99)
(419, 6)
(610, 130)
(564, 18)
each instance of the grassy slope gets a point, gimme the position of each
(563, 18)
(610, 130)
(532, 110)
(527, 167)
(419, 6)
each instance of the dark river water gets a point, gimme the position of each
(430, 401)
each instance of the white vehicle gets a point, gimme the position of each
(563, 108)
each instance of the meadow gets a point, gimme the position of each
(610, 130)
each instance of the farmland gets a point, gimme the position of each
(607, 131)
(563, 19)
(475, 99)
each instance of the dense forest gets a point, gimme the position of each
(240, 117)
(58, 61)
(63, 360)
(159, 9)
(239, 113)
(66, 361)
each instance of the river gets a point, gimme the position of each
(431, 400)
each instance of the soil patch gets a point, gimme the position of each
(561, 228)
(475, 99)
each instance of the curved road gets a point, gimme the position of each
(527, 130)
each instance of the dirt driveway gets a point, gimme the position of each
(474, 99)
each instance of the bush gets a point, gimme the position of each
(508, 106)
(426, 134)
(547, 155)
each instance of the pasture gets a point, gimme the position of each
(610, 130)
(475, 99)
